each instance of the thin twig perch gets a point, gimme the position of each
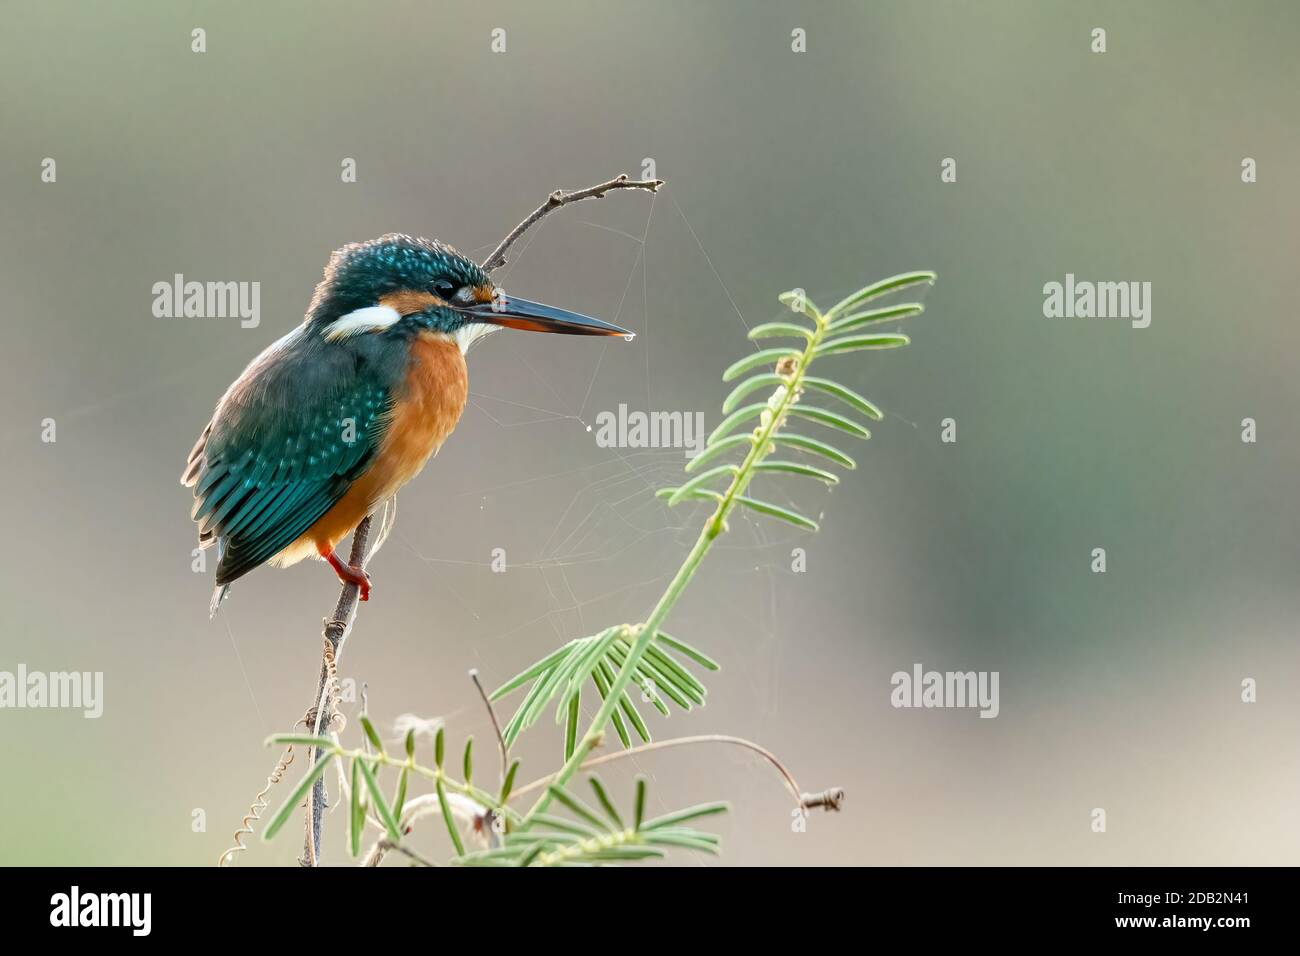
(336, 629)
(560, 198)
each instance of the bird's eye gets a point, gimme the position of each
(444, 288)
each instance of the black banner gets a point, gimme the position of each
(976, 904)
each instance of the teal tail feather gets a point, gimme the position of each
(220, 592)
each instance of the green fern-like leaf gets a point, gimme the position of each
(757, 360)
(752, 384)
(663, 676)
(788, 383)
(598, 836)
(860, 343)
(893, 284)
(887, 314)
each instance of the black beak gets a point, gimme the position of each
(516, 313)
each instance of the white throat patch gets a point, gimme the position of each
(472, 332)
(373, 318)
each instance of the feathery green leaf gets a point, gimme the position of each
(681, 816)
(903, 280)
(606, 804)
(831, 419)
(371, 734)
(640, 804)
(399, 801)
(356, 813)
(718, 448)
(571, 725)
(764, 357)
(751, 384)
(694, 654)
(448, 820)
(577, 807)
(378, 801)
(795, 468)
(887, 314)
(859, 343)
(774, 330)
(296, 797)
(844, 394)
(798, 301)
(699, 480)
(776, 511)
(814, 446)
(602, 687)
(735, 418)
(508, 783)
(524, 676)
(700, 494)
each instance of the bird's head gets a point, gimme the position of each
(399, 285)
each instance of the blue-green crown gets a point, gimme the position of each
(360, 273)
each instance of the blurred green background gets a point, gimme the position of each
(816, 169)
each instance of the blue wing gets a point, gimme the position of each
(288, 439)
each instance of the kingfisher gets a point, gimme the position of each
(332, 419)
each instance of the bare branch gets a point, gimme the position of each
(386, 845)
(560, 198)
(336, 630)
(496, 726)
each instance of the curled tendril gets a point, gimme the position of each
(255, 809)
(334, 721)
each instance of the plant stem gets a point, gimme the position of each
(430, 773)
(716, 525)
(590, 845)
(336, 631)
(645, 748)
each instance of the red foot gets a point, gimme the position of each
(348, 574)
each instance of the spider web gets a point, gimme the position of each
(612, 509)
(612, 514)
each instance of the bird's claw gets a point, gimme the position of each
(354, 575)
(350, 574)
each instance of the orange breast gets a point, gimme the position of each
(425, 412)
